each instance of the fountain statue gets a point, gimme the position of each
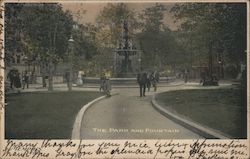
(127, 57)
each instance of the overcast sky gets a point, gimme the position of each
(93, 9)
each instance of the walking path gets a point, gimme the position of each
(128, 116)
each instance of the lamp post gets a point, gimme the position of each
(69, 74)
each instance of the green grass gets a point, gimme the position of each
(42, 115)
(220, 109)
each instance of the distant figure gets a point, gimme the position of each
(67, 77)
(142, 80)
(25, 79)
(102, 80)
(185, 75)
(15, 79)
(107, 86)
(203, 78)
(83, 77)
(10, 76)
(154, 79)
(79, 78)
(44, 77)
(148, 82)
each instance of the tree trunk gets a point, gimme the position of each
(50, 76)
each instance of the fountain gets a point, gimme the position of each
(127, 57)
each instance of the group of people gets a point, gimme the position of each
(146, 80)
(207, 80)
(18, 80)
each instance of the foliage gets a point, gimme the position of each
(221, 25)
(85, 41)
(43, 30)
(152, 17)
(159, 44)
(161, 49)
(111, 19)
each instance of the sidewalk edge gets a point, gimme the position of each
(76, 132)
(197, 128)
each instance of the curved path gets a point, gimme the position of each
(128, 116)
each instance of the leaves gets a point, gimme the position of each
(110, 22)
(153, 17)
(223, 24)
(39, 29)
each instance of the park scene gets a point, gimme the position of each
(125, 70)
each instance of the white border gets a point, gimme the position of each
(144, 1)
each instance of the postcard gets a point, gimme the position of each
(124, 79)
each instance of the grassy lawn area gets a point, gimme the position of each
(220, 109)
(44, 115)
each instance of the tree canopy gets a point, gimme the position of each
(221, 24)
(42, 29)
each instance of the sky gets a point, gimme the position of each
(94, 8)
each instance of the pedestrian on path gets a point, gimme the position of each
(11, 76)
(102, 80)
(67, 77)
(154, 77)
(25, 79)
(142, 81)
(186, 72)
(148, 82)
(107, 86)
(203, 78)
(15, 79)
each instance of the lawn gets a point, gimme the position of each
(220, 109)
(43, 115)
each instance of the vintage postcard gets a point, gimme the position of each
(124, 79)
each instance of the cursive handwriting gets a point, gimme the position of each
(201, 149)
(170, 149)
(58, 145)
(80, 151)
(129, 148)
(176, 149)
(20, 149)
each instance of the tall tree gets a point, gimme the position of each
(152, 18)
(160, 48)
(44, 31)
(111, 19)
(218, 29)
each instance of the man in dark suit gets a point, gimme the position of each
(142, 81)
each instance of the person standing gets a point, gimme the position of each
(67, 77)
(107, 86)
(25, 79)
(83, 77)
(79, 79)
(203, 78)
(102, 80)
(10, 76)
(142, 80)
(148, 82)
(186, 75)
(155, 79)
(17, 79)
